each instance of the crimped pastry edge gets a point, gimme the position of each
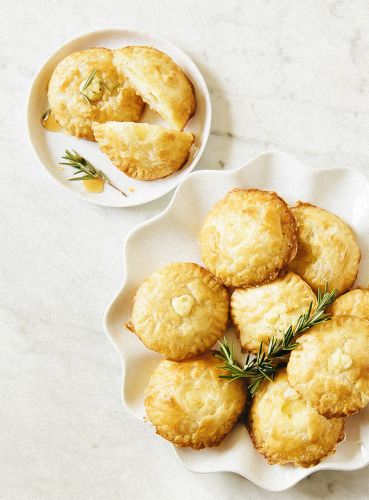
(289, 256)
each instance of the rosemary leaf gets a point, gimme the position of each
(46, 115)
(88, 82)
(86, 177)
(105, 86)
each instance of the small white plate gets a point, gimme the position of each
(172, 236)
(50, 146)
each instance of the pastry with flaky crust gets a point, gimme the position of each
(160, 82)
(108, 95)
(353, 303)
(143, 151)
(330, 367)
(248, 237)
(327, 251)
(190, 405)
(180, 310)
(268, 310)
(285, 428)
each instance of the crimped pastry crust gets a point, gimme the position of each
(285, 428)
(72, 110)
(269, 309)
(160, 82)
(327, 250)
(353, 303)
(330, 368)
(248, 237)
(190, 405)
(180, 310)
(143, 151)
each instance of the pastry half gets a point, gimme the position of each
(180, 310)
(330, 367)
(268, 310)
(248, 237)
(327, 251)
(143, 151)
(190, 405)
(286, 429)
(85, 87)
(353, 303)
(160, 82)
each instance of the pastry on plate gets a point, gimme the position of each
(353, 303)
(160, 82)
(180, 310)
(85, 87)
(286, 429)
(330, 367)
(143, 151)
(248, 237)
(327, 251)
(190, 405)
(269, 309)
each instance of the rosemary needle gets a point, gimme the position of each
(84, 167)
(87, 83)
(265, 364)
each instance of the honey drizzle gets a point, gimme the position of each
(49, 122)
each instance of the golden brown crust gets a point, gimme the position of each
(160, 82)
(284, 428)
(327, 250)
(143, 151)
(190, 405)
(74, 113)
(330, 368)
(248, 237)
(266, 311)
(180, 310)
(353, 303)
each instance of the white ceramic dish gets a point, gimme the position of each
(172, 236)
(50, 146)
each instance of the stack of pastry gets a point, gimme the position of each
(99, 94)
(271, 260)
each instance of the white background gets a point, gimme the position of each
(285, 74)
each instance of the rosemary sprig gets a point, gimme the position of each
(265, 364)
(88, 82)
(83, 166)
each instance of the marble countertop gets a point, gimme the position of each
(291, 75)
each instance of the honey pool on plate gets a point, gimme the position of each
(49, 122)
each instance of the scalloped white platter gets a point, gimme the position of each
(172, 236)
(50, 146)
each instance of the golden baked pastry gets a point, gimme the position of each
(285, 428)
(353, 303)
(248, 237)
(142, 151)
(330, 368)
(269, 309)
(180, 310)
(160, 82)
(190, 405)
(327, 251)
(113, 99)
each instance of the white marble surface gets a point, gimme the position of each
(286, 74)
